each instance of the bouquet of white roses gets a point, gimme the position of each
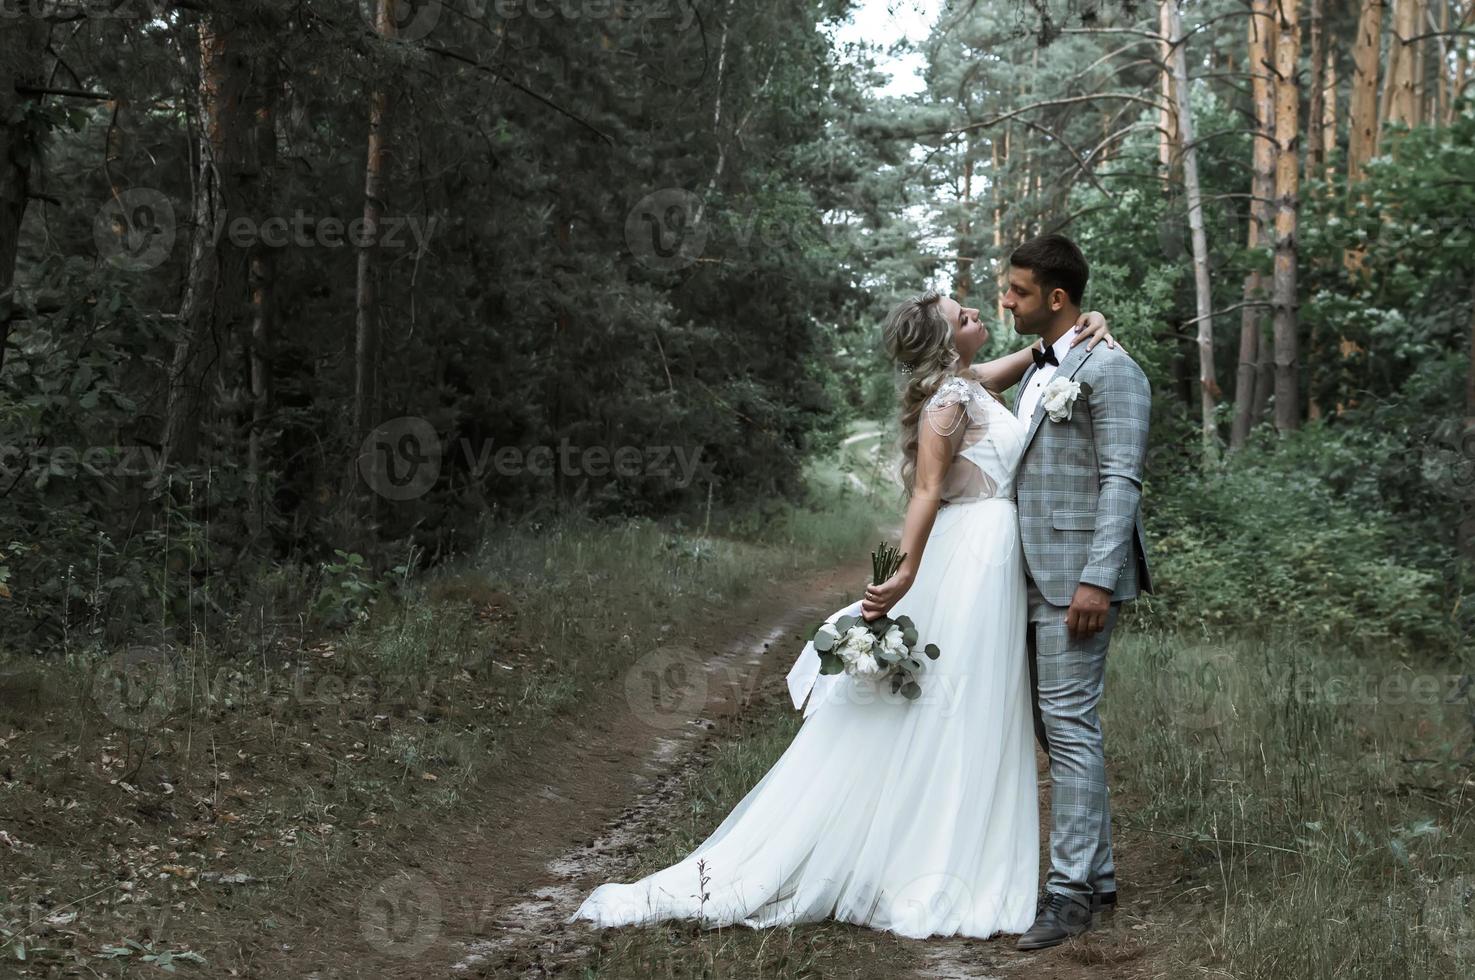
(879, 649)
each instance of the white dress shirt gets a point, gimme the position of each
(1037, 382)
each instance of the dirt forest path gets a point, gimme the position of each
(487, 898)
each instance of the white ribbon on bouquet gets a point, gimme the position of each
(804, 677)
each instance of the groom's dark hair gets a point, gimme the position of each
(1057, 263)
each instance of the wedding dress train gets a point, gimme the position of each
(917, 817)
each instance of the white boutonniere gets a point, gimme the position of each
(1059, 397)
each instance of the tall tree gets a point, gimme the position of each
(262, 272)
(232, 95)
(1255, 377)
(1177, 72)
(1403, 91)
(1320, 59)
(1287, 190)
(22, 44)
(366, 316)
(1362, 111)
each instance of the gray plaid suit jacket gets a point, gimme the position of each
(1079, 483)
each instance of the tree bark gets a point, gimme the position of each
(216, 300)
(964, 285)
(21, 46)
(1251, 393)
(1362, 111)
(1462, 66)
(366, 325)
(1168, 137)
(1203, 293)
(1000, 259)
(1328, 120)
(1467, 445)
(1287, 187)
(263, 283)
(1404, 90)
(1317, 89)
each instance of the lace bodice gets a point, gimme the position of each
(987, 440)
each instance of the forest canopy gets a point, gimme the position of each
(299, 284)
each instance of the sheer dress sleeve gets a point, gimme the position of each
(956, 412)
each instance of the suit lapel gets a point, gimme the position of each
(1067, 369)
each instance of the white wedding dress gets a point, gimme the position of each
(917, 817)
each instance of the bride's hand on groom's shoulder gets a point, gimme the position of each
(1091, 330)
(880, 598)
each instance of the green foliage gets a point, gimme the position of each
(1302, 537)
(346, 590)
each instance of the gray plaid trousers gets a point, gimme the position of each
(1079, 489)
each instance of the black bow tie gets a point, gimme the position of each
(1047, 356)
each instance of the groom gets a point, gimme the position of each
(1077, 489)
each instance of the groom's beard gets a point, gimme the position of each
(1030, 326)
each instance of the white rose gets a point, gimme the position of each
(860, 639)
(893, 642)
(866, 666)
(1059, 398)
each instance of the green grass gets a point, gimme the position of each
(332, 745)
(1302, 826)
(1319, 799)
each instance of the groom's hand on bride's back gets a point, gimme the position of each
(1088, 611)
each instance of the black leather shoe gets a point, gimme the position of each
(1103, 902)
(1060, 919)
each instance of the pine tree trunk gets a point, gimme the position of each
(1439, 106)
(1462, 65)
(1203, 294)
(1404, 89)
(1362, 111)
(1251, 394)
(1467, 445)
(1317, 86)
(366, 326)
(964, 285)
(1287, 187)
(21, 46)
(263, 306)
(1168, 136)
(1000, 259)
(216, 302)
(1328, 120)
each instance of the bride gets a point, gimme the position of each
(915, 816)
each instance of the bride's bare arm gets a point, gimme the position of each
(1003, 373)
(934, 457)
